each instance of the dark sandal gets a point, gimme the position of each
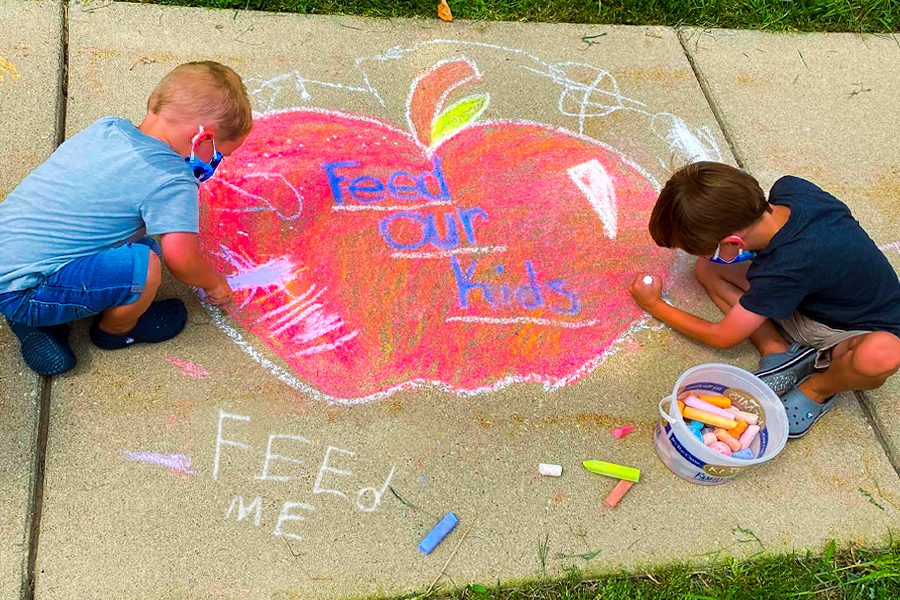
(45, 350)
(163, 320)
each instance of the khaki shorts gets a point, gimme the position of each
(803, 330)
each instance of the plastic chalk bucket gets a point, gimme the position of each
(688, 457)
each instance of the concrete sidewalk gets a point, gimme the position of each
(302, 444)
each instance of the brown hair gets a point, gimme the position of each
(205, 89)
(703, 203)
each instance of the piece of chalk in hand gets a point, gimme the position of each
(437, 534)
(550, 470)
(648, 280)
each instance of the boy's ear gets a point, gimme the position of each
(734, 239)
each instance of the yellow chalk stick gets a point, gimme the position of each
(709, 419)
(681, 407)
(720, 401)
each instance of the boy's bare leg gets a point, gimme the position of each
(122, 319)
(725, 284)
(863, 362)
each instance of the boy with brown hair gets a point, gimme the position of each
(796, 275)
(73, 234)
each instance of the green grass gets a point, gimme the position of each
(852, 574)
(873, 16)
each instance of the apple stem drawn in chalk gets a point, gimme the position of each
(461, 252)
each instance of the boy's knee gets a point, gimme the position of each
(154, 272)
(878, 355)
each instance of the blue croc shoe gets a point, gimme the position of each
(803, 411)
(163, 320)
(784, 370)
(45, 350)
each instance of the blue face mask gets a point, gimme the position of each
(203, 170)
(741, 257)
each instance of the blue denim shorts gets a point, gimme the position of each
(84, 287)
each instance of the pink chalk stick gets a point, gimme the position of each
(695, 402)
(622, 431)
(721, 448)
(709, 437)
(747, 437)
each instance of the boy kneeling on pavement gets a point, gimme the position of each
(796, 275)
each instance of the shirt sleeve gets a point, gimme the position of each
(773, 295)
(172, 207)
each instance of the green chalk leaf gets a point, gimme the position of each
(457, 116)
(478, 588)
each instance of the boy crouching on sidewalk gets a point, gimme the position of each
(73, 233)
(796, 275)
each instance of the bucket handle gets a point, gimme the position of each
(665, 415)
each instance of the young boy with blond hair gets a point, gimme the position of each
(796, 275)
(73, 234)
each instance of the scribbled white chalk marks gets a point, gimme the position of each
(592, 179)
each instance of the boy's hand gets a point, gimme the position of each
(647, 295)
(220, 294)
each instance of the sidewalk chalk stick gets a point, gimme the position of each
(550, 470)
(622, 431)
(612, 470)
(648, 280)
(437, 534)
(617, 493)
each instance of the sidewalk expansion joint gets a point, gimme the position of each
(704, 87)
(865, 403)
(36, 499)
(63, 106)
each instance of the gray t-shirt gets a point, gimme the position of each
(107, 185)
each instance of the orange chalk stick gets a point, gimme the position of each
(737, 431)
(726, 437)
(720, 401)
(617, 493)
(681, 407)
(709, 419)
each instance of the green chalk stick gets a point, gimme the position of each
(611, 470)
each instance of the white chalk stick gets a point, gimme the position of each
(648, 280)
(550, 470)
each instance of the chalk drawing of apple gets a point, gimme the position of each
(455, 251)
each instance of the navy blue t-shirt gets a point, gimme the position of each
(823, 265)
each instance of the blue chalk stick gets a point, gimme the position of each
(746, 454)
(439, 532)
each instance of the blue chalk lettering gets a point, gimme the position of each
(403, 191)
(533, 287)
(557, 286)
(334, 180)
(384, 226)
(452, 239)
(464, 284)
(438, 174)
(366, 185)
(467, 217)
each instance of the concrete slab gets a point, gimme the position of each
(820, 107)
(30, 59)
(157, 456)
(30, 64)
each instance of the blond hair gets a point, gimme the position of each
(207, 90)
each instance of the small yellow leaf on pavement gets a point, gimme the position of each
(444, 11)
